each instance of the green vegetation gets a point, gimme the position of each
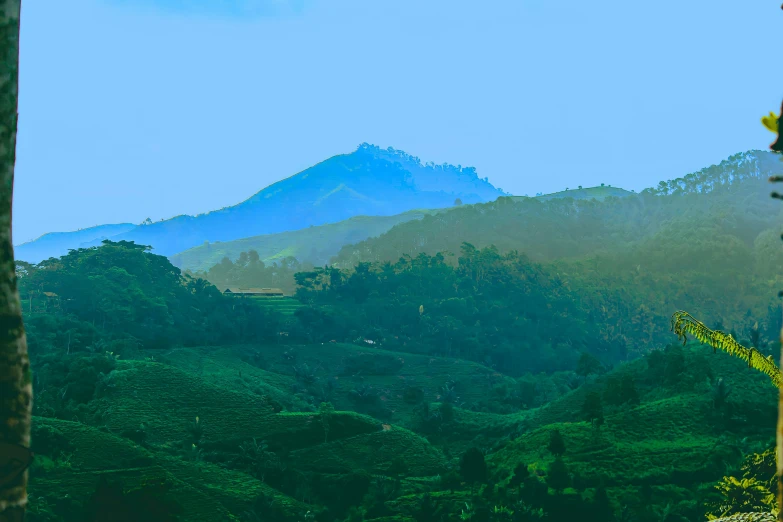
(567, 227)
(485, 385)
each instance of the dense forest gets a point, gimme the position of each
(249, 271)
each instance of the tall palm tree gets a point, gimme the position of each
(15, 384)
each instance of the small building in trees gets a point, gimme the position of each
(254, 292)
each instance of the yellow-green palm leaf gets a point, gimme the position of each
(771, 121)
(684, 323)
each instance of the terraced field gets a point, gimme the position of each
(245, 393)
(71, 458)
(389, 385)
(283, 305)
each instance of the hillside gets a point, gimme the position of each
(313, 245)
(317, 245)
(569, 225)
(56, 244)
(366, 182)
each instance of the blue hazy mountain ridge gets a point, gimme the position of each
(56, 244)
(369, 181)
(315, 245)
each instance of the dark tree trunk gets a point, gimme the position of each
(15, 384)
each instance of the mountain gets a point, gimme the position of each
(56, 244)
(369, 182)
(313, 245)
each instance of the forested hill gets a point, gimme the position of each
(733, 195)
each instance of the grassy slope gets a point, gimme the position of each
(597, 193)
(285, 306)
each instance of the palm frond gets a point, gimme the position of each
(684, 323)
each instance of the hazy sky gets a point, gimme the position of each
(146, 108)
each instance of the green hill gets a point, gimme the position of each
(577, 223)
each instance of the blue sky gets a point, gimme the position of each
(152, 108)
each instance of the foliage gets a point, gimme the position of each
(556, 445)
(477, 309)
(249, 271)
(683, 323)
(121, 293)
(558, 476)
(472, 466)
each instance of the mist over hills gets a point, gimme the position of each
(369, 181)
(313, 245)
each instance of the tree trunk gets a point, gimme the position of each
(15, 384)
(779, 452)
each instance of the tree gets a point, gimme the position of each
(593, 409)
(16, 392)
(519, 475)
(556, 445)
(720, 394)
(777, 146)
(325, 410)
(588, 364)
(557, 476)
(472, 467)
(457, 202)
(621, 390)
(602, 506)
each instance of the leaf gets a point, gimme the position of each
(683, 323)
(771, 122)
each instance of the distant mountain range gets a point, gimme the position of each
(367, 182)
(56, 244)
(318, 245)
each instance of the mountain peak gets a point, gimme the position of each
(369, 181)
